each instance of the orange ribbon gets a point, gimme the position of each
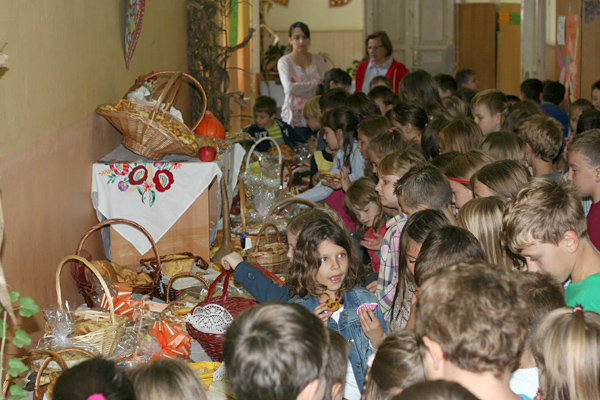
(122, 302)
(172, 339)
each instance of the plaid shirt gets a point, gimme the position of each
(388, 270)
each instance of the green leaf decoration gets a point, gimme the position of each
(152, 198)
(2, 322)
(14, 295)
(28, 306)
(17, 392)
(21, 338)
(1, 309)
(16, 367)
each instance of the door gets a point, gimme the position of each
(421, 31)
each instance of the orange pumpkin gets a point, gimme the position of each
(210, 126)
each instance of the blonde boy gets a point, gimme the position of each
(489, 108)
(472, 326)
(546, 225)
(584, 171)
(543, 139)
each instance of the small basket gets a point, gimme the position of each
(271, 256)
(167, 313)
(105, 339)
(151, 134)
(283, 202)
(162, 289)
(210, 342)
(78, 270)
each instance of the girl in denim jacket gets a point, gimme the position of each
(325, 270)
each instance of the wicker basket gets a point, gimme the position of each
(167, 314)
(162, 289)
(78, 270)
(284, 202)
(213, 343)
(271, 256)
(145, 134)
(105, 339)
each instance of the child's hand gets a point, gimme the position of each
(371, 326)
(316, 178)
(333, 184)
(321, 312)
(231, 260)
(372, 286)
(345, 179)
(372, 243)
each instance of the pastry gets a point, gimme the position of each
(174, 264)
(329, 176)
(371, 306)
(332, 305)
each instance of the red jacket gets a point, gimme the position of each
(395, 73)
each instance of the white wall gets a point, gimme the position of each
(317, 15)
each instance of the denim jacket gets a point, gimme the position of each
(264, 289)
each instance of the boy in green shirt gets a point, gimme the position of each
(546, 225)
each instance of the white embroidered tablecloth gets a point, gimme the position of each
(154, 194)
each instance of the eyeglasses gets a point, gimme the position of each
(519, 263)
(369, 48)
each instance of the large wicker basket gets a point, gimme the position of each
(105, 339)
(170, 314)
(151, 130)
(78, 270)
(271, 256)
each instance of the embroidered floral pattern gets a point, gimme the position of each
(141, 178)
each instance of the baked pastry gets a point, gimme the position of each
(174, 264)
(332, 304)
(106, 269)
(286, 151)
(329, 176)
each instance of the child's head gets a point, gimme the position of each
(436, 390)
(545, 223)
(518, 113)
(397, 365)
(566, 347)
(337, 78)
(446, 84)
(312, 113)
(423, 187)
(442, 161)
(466, 78)
(460, 135)
(483, 218)
(166, 379)
(489, 107)
(456, 107)
(384, 97)
(369, 128)
(470, 317)
(531, 89)
(337, 366)
(543, 137)
(459, 172)
(466, 95)
(362, 202)
(411, 118)
(578, 107)
(362, 105)
(544, 294)
(501, 178)
(297, 224)
(276, 350)
(380, 80)
(339, 131)
(596, 95)
(504, 145)
(430, 137)
(419, 85)
(332, 98)
(384, 144)
(588, 120)
(553, 92)
(264, 109)
(584, 162)
(443, 247)
(96, 376)
(391, 168)
(325, 250)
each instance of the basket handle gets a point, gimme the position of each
(184, 274)
(256, 144)
(242, 203)
(128, 222)
(167, 95)
(269, 274)
(263, 229)
(141, 79)
(227, 274)
(286, 201)
(98, 275)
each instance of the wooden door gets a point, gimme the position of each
(421, 31)
(476, 41)
(508, 74)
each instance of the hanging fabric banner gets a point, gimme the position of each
(133, 27)
(338, 3)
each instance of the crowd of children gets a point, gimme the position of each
(458, 246)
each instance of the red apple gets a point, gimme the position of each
(207, 153)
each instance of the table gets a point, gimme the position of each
(176, 200)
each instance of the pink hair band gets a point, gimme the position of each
(97, 396)
(578, 308)
(460, 181)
